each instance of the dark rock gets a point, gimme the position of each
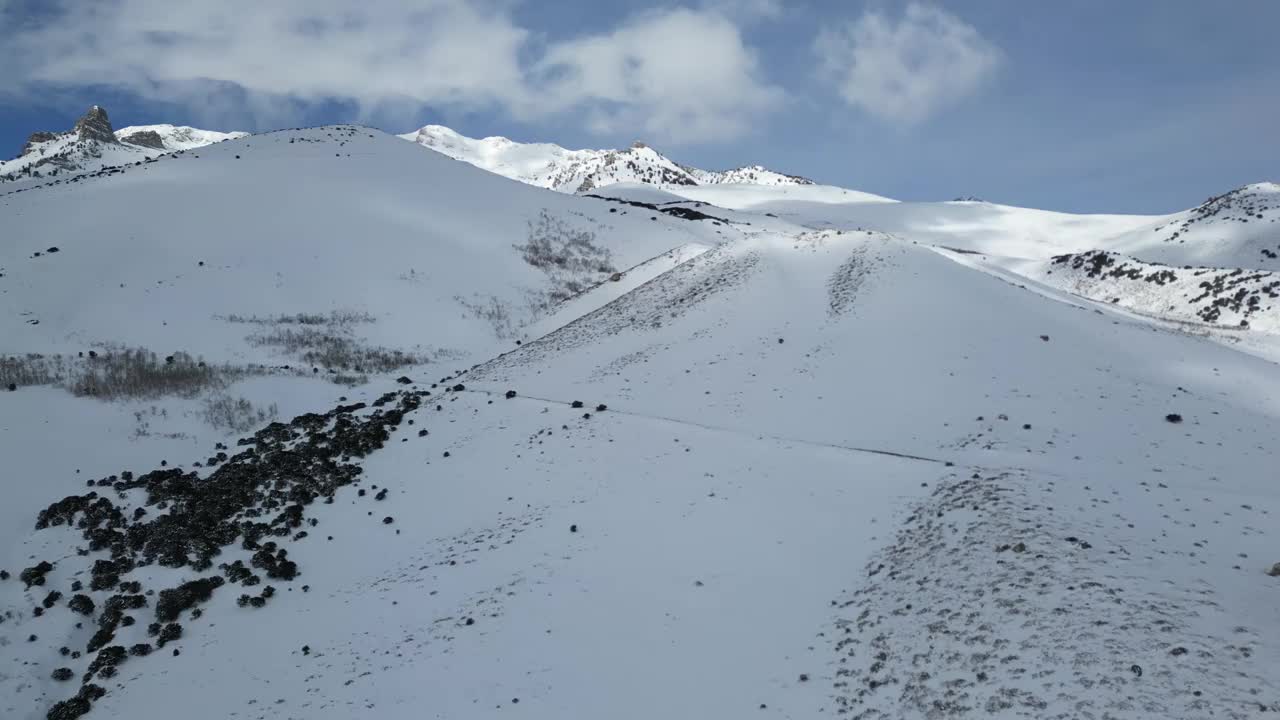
(576, 405)
(388, 520)
(145, 138)
(35, 139)
(106, 660)
(69, 709)
(95, 125)
(573, 528)
(34, 575)
(1174, 418)
(403, 380)
(601, 408)
(168, 634)
(187, 595)
(510, 394)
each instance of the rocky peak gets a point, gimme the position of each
(95, 126)
(637, 145)
(145, 138)
(36, 139)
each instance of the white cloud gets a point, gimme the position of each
(745, 10)
(907, 69)
(680, 75)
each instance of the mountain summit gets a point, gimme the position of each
(94, 125)
(551, 166)
(92, 144)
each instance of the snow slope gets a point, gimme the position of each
(794, 466)
(1234, 230)
(399, 231)
(980, 227)
(551, 166)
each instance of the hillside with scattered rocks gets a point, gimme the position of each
(409, 437)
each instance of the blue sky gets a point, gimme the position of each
(1087, 105)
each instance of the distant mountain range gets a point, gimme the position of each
(551, 166)
(93, 145)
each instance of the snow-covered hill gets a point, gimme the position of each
(479, 255)
(554, 167)
(1236, 229)
(92, 145)
(418, 439)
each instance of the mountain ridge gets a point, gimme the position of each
(573, 171)
(92, 144)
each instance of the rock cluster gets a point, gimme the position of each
(255, 500)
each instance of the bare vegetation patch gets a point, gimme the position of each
(122, 373)
(568, 256)
(32, 369)
(328, 342)
(341, 318)
(239, 415)
(331, 348)
(137, 373)
(494, 311)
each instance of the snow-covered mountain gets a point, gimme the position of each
(409, 437)
(571, 171)
(92, 145)
(175, 137)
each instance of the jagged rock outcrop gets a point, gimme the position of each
(37, 138)
(145, 138)
(94, 125)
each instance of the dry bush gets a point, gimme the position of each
(332, 348)
(33, 369)
(494, 311)
(340, 318)
(238, 415)
(569, 257)
(121, 373)
(137, 373)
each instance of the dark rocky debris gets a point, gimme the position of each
(254, 501)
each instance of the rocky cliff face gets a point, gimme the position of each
(94, 125)
(36, 139)
(145, 138)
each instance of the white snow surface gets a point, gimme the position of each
(855, 459)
